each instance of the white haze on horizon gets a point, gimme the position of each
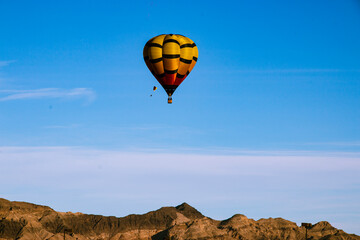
(298, 186)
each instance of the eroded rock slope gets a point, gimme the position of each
(26, 221)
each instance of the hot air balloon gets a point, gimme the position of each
(170, 58)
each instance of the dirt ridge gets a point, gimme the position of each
(27, 221)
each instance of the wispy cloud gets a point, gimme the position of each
(290, 71)
(62, 126)
(6, 63)
(337, 144)
(242, 163)
(300, 70)
(75, 93)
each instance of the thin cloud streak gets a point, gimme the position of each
(74, 93)
(223, 151)
(340, 144)
(6, 63)
(290, 71)
(309, 70)
(262, 163)
(63, 126)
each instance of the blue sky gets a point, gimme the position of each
(275, 79)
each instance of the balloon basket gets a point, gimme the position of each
(169, 100)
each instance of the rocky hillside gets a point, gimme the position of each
(26, 221)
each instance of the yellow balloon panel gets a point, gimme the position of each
(170, 58)
(195, 57)
(186, 54)
(171, 53)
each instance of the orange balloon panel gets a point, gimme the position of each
(170, 58)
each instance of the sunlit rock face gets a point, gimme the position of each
(26, 221)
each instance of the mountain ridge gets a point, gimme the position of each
(27, 221)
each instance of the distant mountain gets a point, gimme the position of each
(26, 221)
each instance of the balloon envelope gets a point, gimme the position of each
(170, 58)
